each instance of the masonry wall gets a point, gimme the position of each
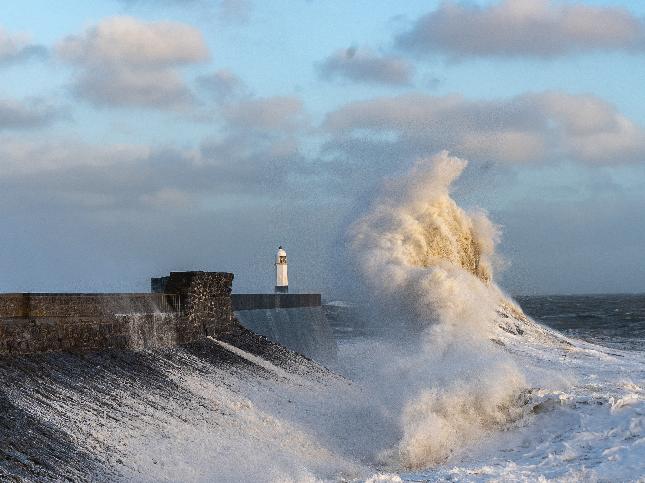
(200, 306)
(187, 307)
(35, 305)
(126, 331)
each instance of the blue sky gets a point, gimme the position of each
(142, 136)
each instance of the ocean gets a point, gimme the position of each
(587, 416)
(609, 320)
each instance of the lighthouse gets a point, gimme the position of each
(281, 279)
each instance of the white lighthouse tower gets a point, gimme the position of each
(281, 279)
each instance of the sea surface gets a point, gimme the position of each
(616, 321)
(588, 394)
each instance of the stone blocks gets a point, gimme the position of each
(194, 305)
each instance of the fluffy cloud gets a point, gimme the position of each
(135, 179)
(531, 128)
(17, 47)
(26, 114)
(253, 157)
(514, 28)
(21, 158)
(366, 66)
(126, 62)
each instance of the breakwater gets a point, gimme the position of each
(183, 307)
(185, 413)
(295, 321)
(198, 306)
(255, 301)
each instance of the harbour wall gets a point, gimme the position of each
(302, 329)
(255, 301)
(187, 307)
(199, 306)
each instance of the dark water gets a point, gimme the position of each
(616, 321)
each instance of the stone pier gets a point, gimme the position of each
(197, 305)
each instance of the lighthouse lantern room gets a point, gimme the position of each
(281, 279)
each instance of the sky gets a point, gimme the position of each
(143, 136)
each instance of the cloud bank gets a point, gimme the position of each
(122, 61)
(531, 128)
(27, 114)
(253, 157)
(223, 85)
(523, 28)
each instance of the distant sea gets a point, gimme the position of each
(616, 321)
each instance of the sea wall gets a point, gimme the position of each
(199, 306)
(188, 307)
(295, 321)
(253, 301)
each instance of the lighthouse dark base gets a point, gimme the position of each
(282, 289)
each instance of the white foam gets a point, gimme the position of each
(433, 262)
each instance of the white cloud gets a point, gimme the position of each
(515, 28)
(224, 85)
(16, 47)
(269, 114)
(26, 114)
(128, 62)
(21, 158)
(253, 157)
(531, 128)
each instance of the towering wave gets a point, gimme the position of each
(419, 250)
(417, 224)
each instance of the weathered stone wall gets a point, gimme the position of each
(51, 334)
(205, 299)
(189, 306)
(26, 305)
(199, 306)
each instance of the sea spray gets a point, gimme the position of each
(434, 262)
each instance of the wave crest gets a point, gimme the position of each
(434, 261)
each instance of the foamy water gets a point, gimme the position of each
(488, 392)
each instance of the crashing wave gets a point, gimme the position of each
(435, 262)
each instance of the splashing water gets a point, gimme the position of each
(418, 225)
(480, 367)
(423, 253)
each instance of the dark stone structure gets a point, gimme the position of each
(255, 301)
(184, 307)
(199, 306)
(205, 299)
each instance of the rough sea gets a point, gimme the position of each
(610, 320)
(590, 428)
